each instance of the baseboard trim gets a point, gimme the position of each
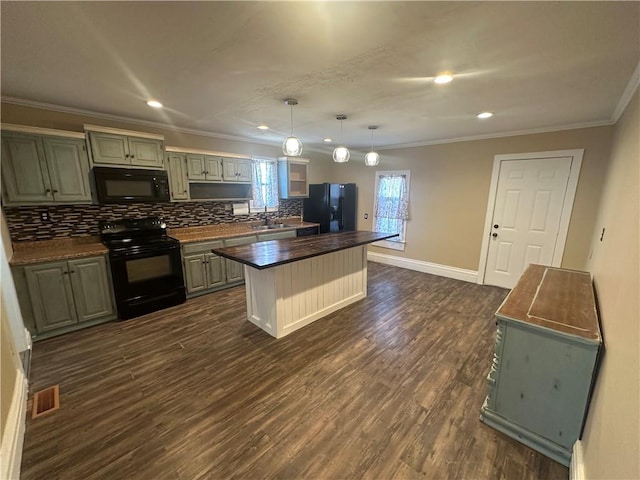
(576, 468)
(13, 436)
(425, 267)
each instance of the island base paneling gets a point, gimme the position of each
(285, 298)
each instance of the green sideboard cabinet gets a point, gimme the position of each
(56, 297)
(545, 357)
(44, 168)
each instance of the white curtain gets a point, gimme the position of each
(392, 205)
(265, 184)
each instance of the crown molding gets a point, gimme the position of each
(515, 133)
(323, 151)
(145, 123)
(133, 121)
(632, 86)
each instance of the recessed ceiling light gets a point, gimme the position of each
(263, 127)
(154, 104)
(327, 140)
(485, 115)
(444, 78)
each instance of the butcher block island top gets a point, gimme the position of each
(292, 282)
(278, 252)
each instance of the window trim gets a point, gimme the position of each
(253, 209)
(388, 243)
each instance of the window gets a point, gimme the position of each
(265, 185)
(391, 207)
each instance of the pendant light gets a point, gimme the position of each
(292, 146)
(372, 158)
(341, 153)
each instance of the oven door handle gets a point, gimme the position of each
(142, 252)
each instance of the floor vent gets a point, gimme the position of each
(46, 401)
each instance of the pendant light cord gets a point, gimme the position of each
(291, 107)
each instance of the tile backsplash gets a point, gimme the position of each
(49, 222)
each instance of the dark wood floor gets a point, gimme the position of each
(387, 388)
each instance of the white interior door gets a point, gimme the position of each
(528, 207)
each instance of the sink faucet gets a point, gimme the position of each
(266, 218)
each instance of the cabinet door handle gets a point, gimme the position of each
(55, 191)
(72, 271)
(126, 155)
(65, 272)
(47, 191)
(132, 156)
(184, 191)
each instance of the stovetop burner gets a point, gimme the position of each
(133, 231)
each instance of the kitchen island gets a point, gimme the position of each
(294, 281)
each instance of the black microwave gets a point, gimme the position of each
(129, 185)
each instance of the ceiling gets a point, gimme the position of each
(226, 67)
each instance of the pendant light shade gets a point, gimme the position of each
(292, 146)
(372, 158)
(341, 153)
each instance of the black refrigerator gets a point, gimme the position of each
(332, 205)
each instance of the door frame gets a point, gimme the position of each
(567, 204)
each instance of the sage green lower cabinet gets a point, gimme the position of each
(544, 361)
(204, 272)
(56, 296)
(235, 270)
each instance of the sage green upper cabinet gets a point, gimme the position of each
(236, 170)
(68, 168)
(43, 168)
(292, 177)
(178, 181)
(110, 146)
(146, 152)
(203, 168)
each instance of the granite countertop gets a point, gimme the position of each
(28, 253)
(229, 230)
(278, 252)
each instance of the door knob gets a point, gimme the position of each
(494, 235)
(496, 226)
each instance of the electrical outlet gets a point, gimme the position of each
(366, 216)
(44, 216)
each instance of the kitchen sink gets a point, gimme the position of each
(271, 226)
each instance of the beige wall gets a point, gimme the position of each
(450, 188)
(612, 434)
(449, 182)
